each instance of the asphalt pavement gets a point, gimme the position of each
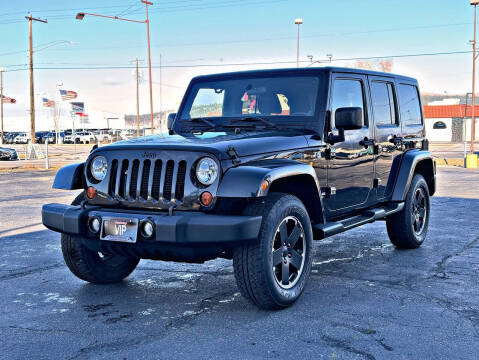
(365, 299)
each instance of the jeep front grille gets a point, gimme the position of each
(138, 179)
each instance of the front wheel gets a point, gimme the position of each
(273, 272)
(407, 229)
(95, 267)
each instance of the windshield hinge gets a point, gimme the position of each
(233, 154)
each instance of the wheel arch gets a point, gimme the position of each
(414, 162)
(70, 177)
(290, 177)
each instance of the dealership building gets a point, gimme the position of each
(449, 121)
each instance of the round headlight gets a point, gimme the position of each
(99, 167)
(206, 171)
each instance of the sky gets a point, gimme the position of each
(195, 37)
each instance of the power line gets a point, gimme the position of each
(167, 9)
(119, 67)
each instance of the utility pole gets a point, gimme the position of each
(32, 94)
(149, 63)
(1, 105)
(473, 115)
(137, 97)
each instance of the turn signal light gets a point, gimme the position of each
(90, 192)
(206, 198)
(265, 185)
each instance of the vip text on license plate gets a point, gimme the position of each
(119, 229)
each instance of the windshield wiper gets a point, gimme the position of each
(204, 121)
(253, 119)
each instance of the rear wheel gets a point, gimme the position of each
(408, 228)
(95, 267)
(273, 272)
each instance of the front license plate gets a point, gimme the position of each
(119, 229)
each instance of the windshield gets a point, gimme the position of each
(275, 98)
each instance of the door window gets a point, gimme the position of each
(409, 105)
(382, 94)
(348, 93)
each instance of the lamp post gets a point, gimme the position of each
(298, 22)
(81, 15)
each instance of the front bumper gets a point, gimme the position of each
(181, 228)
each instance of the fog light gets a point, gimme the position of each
(206, 198)
(90, 192)
(147, 229)
(94, 225)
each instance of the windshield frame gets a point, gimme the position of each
(313, 122)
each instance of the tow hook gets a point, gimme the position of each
(171, 209)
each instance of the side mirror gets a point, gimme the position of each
(170, 122)
(349, 118)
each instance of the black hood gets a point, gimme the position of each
(245, 143)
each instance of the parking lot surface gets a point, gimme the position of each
(364, 300)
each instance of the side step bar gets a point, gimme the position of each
(322, 231)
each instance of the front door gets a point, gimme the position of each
(386, 130)
(351, 163)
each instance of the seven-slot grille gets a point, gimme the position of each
(137, 179)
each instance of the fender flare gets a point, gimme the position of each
(246, 181)
(410, 161)
(70, 177)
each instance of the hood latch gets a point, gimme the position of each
(233, 154)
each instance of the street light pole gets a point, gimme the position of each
(298, 22)
(32, 94)
(81, 15)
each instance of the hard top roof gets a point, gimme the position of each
(300, 71)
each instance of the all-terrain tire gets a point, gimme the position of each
(408, 228)
(261, 282)
(92, 266)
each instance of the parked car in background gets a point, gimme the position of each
(52, 137)
(40, 137)
(8, 154)
(11, 137)
(80, 137)
(102, 135)
(22, 138)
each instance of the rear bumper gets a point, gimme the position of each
(182, 228)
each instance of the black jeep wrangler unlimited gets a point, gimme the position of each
(256, 165)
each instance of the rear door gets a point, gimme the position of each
(387, 133)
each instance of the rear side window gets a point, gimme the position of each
(409, 105)
(348, 93)
(383, 103)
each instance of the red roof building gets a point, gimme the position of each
(449, 111)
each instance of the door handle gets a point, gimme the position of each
(367, 142)
(396, 140)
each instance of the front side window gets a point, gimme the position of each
(347, 93)
(382, 94)
(278, 97)
(409, 105)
